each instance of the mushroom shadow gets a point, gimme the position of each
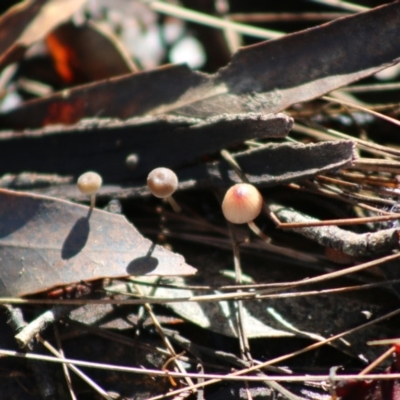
(76, 239)
(143, 265)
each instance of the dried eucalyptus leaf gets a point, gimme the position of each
(266, 77)
(45, 242)
(218, 316)
(270, 165)
(275, 164)
(105, 144)
(312, 317)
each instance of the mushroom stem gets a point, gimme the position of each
(92, 201)
(174, 205)
(258, 231)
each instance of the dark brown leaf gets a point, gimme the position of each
(268, 166)
(267, 77)
(104, 145)
(275, 164)
(46, 242)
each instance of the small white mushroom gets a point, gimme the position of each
(131, 161)
(242, 203)
(162, 183)
(89, 183)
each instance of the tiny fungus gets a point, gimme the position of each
(89, 183)
(242, 203)
(162, 183)
(131, 161)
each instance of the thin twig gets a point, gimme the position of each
(298, 352)
(166, 341)
(237, 375)
(286, 16)
(274, 287)
(354, 244)
(64, 366)
(345, 5)
(365, 109)
(41, 323)
(208, 20)
(72, 367)
(378, 361)
(44, 379)
(330, 134)
(376, 165)
(340, 221)
(15, 318)
(243, 340)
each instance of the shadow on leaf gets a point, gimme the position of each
(76, 239)
(142, 265)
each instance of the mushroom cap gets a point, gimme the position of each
(131, 161)
(162, 182)
(242, 203)
(89, 182)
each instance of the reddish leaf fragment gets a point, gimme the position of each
(359, 390)
(86, 53)
(67, 112)
(46, 242)
(374, 390)
(30, 21)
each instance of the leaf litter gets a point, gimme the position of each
(267, 77)
(231, 107)
(45, 242)
(104, 145)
